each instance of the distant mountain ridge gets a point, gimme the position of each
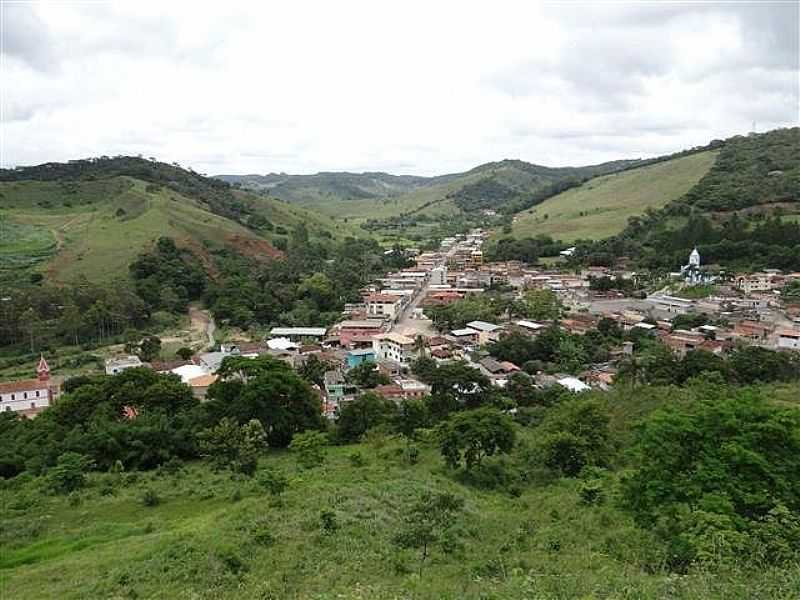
(491, 185)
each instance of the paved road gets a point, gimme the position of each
(405, 325)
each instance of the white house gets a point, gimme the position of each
(394, 347)
(383, 305)
(29, 397)
(789, 338)
(118, 365)
(573, 384)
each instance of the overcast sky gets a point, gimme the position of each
(405, 87)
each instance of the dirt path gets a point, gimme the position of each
(203, 323)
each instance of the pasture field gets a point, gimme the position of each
(602, 206)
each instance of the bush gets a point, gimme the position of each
(69, 474)
(357, 459)
(591, 492)
(309, 448)
(275, 482)
(328, 523)
(150, 498)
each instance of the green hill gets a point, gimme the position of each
(602, 206)
(742, 214)
(92, 218)
(492, 186)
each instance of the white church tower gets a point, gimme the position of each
(694, 258)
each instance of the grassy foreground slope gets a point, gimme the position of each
(221, 536)
(601, 207)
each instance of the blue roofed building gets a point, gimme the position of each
(360, 356)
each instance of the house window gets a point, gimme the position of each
(33, 404)
(13, 397)
(8, 408)
(24, 395)
(37, 393)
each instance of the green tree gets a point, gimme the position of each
(428, 522)
(268, 390)
(149, 348)
(69, 473)
(573, 435)
(728, 458)
(233, 446)
(470, 436)
(367, 375)
(539, 304)
(184, 353)
(365, 412)
(310, 448)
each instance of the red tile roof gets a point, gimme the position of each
(23, 385)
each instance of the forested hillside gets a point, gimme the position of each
(743, 213)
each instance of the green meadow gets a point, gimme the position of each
(602, 206)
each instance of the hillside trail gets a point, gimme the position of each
(202, 322)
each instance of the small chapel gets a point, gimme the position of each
(29, 397)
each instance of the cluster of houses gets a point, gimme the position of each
(745, 309)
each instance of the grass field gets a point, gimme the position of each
(221, 536)
(97, 228)
(216, 536)
(601, 207)
(430, 200)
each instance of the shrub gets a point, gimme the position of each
(150, 498)
(309, 447)
(69, 473)
(275, 482)
(328, 523)
(357, 459)
(591, 492)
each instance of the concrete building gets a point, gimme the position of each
(789, 339)
(754, 282)
(439, 276)
(118, 365)
(394, 347)
(295, 333)
(383, 305)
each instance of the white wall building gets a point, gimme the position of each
(383, 305)
(118, 365)
(394, 347)
(789, 339)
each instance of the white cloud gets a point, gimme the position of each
(413, 87)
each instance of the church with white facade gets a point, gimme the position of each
(29, 397)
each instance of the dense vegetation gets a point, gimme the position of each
(735, 215)
(444, 497)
